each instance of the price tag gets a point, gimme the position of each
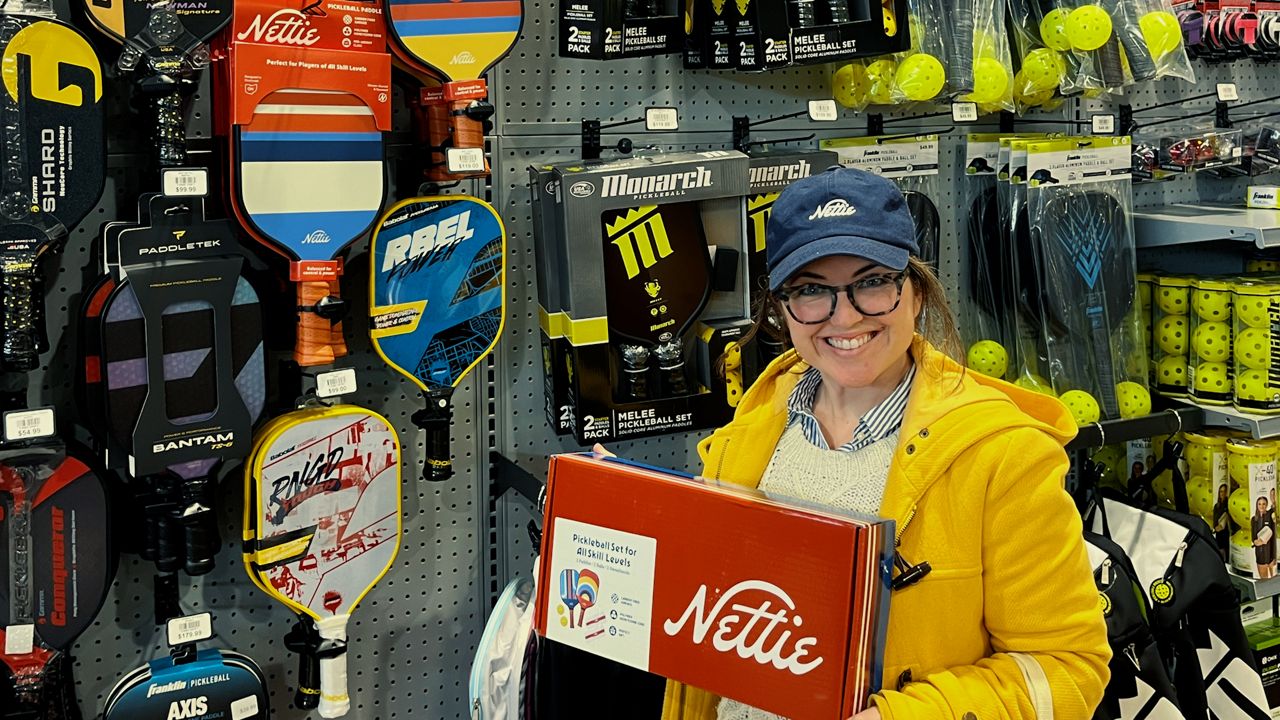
(186, 182)
(964, 112)
(464, 160)
(189, 629)
(823, 111)
(1104, 124)
(1227, 92)
(19, 639)
(244, 707)
(336, 382)
(28, 424)
(658, 119)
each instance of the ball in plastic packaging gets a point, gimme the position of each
(1200, 497)
(1042, 70)
(1088, 27)
(1134, 400)
(1172, 371)
(990, 80)
(921, 77)
(1252, 385)
(1253, 310)
(1083, 407)
(1242, 537)
(1035, 383)
(1211, 377)
(1163, 487)
(880, 78)
(1053, 29)
(1253, 348)
(849, 85)
(1171, 334)
(1211, 341)
(989, 358)
(1161, 31)
(1211, 304)
(1239, 506)
(1172, 300)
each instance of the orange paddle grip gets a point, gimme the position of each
(320, 341)
(448, 127)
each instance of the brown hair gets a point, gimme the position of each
(936, 323)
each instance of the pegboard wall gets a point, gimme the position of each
(412, 639)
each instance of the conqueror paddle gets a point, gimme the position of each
(438, 299)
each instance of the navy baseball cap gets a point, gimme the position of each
(839, 212)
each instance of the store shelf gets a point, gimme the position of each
(1184, 223)
(1162, 422)
(1258, 426)
(1251, 589)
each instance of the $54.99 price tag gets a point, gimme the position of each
(29, 424)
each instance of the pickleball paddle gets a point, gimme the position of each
(457, 41)
(657, 281)
(309, 181)
(438, 299)
(54, 160)
(323, 502)
(207, 684)
(1086, 230)
(960, 57)
(988, 262)
(924, 215)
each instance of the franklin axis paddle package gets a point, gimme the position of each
(1079, 212)
(56, 566)
(438, 301)
(54, 164)
(988, 335)
(305, 125)
(644, 311)
(191, 684)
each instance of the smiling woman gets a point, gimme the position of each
(865, 414)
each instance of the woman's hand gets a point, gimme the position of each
(871, 713)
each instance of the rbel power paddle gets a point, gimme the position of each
(438, 300)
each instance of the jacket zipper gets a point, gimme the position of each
(897, 540)
(724, 450)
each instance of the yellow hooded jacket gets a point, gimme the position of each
(1007, 624)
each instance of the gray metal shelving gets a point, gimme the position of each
(1184, 223)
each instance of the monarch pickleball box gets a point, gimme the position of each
(685, 578)
(639, 210)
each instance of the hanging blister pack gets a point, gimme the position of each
(988, 335)
(1080, 205)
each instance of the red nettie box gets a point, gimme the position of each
(769, 602)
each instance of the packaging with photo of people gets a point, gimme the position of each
(1252, 506)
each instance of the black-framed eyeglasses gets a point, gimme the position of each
(812, 303)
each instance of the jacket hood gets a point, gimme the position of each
(947, 400)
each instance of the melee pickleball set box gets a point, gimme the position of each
(642, 286)
(685, 578)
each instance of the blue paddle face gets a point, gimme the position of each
(439, 278)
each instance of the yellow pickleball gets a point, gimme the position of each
(1239, 507)
(1083, 407)
(1035, 383)
(989, 358)
(1053, 29)
(1088, 27)
(849, 85)
(890, 22)
(1161, 31)
(921, 77)
(1042, 70)
(990, 80)
(880, 78)
(1029, 99)
(1133, 399)
(1252, 385)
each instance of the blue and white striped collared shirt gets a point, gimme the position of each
(880, 421)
